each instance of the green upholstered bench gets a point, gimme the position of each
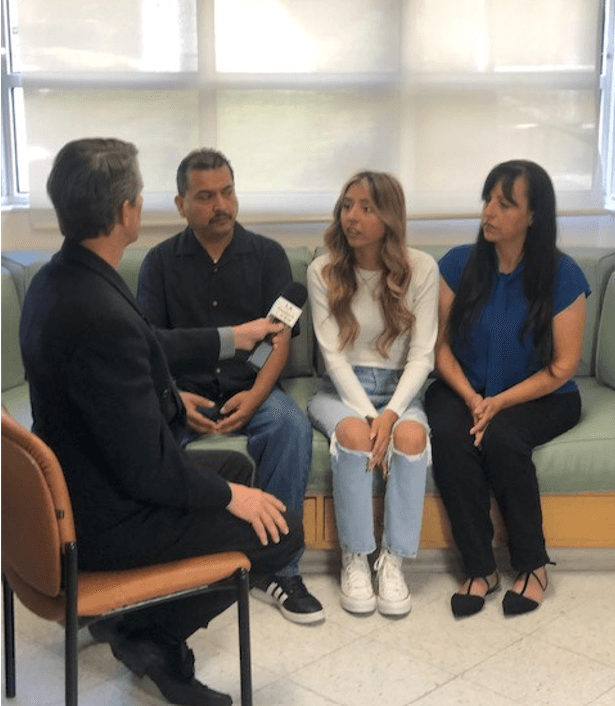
(576, 470)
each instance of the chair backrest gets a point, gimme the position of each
(37, 515)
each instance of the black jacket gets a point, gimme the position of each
(103, 399)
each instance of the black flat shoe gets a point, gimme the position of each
(170, 667)
(517, 603)
(464, 604)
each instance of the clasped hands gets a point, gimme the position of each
(236, 412)
(483, 410)
(381, 428)
(239, 408)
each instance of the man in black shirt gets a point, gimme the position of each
(215, 273)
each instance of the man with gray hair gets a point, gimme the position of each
(103, 399)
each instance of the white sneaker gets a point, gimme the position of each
(357, 591)
(393, 594)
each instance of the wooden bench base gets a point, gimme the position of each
(583, 520)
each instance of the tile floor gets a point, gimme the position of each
(561, 655)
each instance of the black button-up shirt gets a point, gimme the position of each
(180, 286)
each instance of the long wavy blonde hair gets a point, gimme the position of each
(340, 274)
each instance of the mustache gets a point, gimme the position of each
(220, 216)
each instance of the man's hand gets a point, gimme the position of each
(249, 334)
(238, 410)
(195, 419)
(262, 510)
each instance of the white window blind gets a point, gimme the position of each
(301, 93)
(607, 124)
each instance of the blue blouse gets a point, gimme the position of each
(494, 358)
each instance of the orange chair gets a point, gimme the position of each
(39, 562)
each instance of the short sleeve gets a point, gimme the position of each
(569, 284)
(453, 263)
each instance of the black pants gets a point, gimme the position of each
(466, 476)
(207, 533)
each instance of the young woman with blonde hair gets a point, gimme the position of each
(374, 305)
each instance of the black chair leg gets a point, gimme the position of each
(9, 637)
(71, 626)
(70, 663)
(245, 658)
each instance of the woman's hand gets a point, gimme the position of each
(483, 413)
(473, 402)
(380, 435)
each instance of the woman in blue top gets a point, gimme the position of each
(512, 317)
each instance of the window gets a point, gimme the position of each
(15, 183)
(607, 126)
(301, 93)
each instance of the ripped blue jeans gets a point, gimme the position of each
(353, 484)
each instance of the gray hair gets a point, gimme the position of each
(89, 181)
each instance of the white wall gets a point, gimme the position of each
(19, 233)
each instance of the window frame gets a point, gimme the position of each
(11, 80)
(208, 83)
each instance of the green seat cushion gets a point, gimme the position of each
(605, 350)
(583, 458)
(13, 373)
(563, 464)
(17, 402)
(228, 442)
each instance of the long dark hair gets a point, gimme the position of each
(540, 256)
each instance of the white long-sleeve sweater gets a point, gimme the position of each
(414, 353)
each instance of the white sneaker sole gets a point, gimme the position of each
(395, 607)
(358, 605)
(300, 618)
(303, 618)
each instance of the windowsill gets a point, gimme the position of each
(591, 228)
(44, 218)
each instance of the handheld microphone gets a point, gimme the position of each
(286, 309)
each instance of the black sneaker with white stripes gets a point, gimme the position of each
(291, 596)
